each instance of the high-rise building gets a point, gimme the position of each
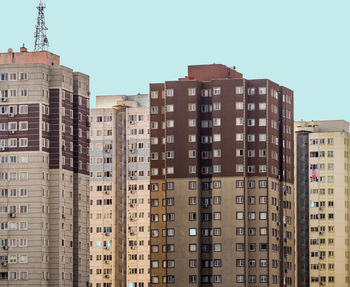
(322, 197)
(221, 181)
(44, 179)
(120, 191)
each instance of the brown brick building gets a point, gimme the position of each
(221, 180)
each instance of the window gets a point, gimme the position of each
(191, 107)
(192, 232)
(23, 126)
(251, 106)
(262, 137)
(262, 122)
(23, 109)
(262, 106)
(170, 123)
(251, 122)
(262, 91)
(251, 138)
(239, 168)
(239, 137)
(169, 92)
(191, 122)
(239, 106)
(154, 94)
(154, 110)
(192, 91)
(251, 91)
(251, 168)
(170, 108)
(23, 142)
(217, 137)
(192, 138)
(240, 278)
(24, 93)
(216, 122)
(239, 121)
(239, 90)
(192, 247)
(239, 215)
(217, 106)
(216, 90)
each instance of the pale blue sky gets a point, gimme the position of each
(125, 45)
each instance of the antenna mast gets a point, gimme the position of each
(41, 41)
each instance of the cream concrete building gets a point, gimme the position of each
(322, 182)
(120, 191)
(44, 176)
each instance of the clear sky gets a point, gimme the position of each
(124, 45)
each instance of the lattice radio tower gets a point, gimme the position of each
(41, 41)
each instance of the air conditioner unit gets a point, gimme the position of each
(3, 99)
(12, 214)
(106, 234)
(132, 177)
(285, 239)
(11, 115)
(12, 132)
(321, 232)
(131, 122)
(277, 207)
(2, 148)
(4, 263)
(63, 216)
(107, 150)
(5, 247)
(106, 192)
(321, 257)
(106, 261)
(106, 276)
(131, 205)
(205, 205)
(132, 151)
(277, 238)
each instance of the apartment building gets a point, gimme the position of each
(120, 191)
(221, 181)
(322, 197)
(44, 179)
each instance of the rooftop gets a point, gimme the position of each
(25, 57)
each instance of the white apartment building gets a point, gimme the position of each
(119, 191)
(322, 185)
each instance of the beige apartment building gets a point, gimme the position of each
(44, 180)
(119, 191)
(322, 196)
